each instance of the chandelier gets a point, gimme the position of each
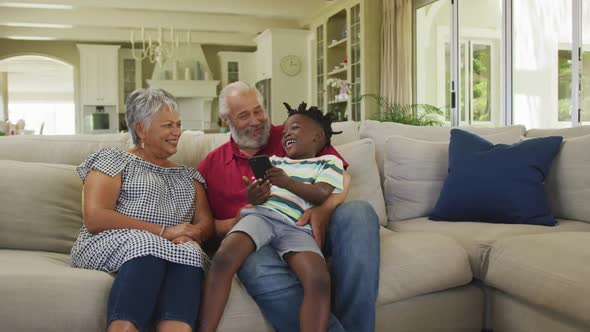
(159, 50)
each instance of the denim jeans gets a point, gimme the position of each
(149, 288)
(352, 243)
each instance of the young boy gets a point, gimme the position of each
(299, 181)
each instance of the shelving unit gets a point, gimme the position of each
(337, 62)
(347, 51)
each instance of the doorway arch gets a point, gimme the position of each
(41, 92)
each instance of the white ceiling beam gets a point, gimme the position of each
(134, 19)
(123, 35)
(261, 8)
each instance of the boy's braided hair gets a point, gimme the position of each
(314, 113)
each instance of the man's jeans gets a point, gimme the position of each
(352, 243)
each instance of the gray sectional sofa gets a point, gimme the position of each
(435, 276)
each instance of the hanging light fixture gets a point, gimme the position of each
(159, 50)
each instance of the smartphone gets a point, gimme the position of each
(259, 165)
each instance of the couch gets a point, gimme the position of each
(435, 276)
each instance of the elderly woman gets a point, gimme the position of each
(146, 218)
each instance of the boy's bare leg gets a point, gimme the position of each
(234, 249)
(312, 271)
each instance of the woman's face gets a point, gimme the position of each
(161, 137)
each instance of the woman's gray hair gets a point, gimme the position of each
(141, 106)
(237, 86)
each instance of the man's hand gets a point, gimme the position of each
(319, 220)
(257, 191)
(278, 177)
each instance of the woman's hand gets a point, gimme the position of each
(181, 230)
(257, 191)
(278, 177)
(182, 239)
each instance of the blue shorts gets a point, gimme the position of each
(267, 226)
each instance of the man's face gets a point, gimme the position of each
(247, 120)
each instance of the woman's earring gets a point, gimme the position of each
(142, 145)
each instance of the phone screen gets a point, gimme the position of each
(259, 165)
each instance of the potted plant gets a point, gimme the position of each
(410, 114)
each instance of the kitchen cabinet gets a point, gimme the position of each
(99, 74)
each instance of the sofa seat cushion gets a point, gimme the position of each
(41, 292)
(551, 271)
(477, 237)
(414, 264)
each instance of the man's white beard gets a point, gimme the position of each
(242, 136)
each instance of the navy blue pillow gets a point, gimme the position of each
(497, 183)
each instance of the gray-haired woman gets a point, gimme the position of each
(146, 218)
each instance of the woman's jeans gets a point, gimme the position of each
(352, 244)
(152, 289)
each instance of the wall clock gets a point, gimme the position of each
(291, 65)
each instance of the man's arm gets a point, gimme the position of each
(319, 216)
(223, 226)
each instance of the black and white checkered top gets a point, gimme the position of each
(163, 196)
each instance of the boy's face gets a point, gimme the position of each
(302, 137)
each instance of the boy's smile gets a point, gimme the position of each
(301, 137)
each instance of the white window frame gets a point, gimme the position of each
(467, 38)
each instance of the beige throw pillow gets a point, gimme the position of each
(365, 185)
(568, 182)
(415, 171)
(381, 131)
(41, 206)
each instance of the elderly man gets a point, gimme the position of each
(349, 232)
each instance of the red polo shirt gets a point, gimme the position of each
(224, 167)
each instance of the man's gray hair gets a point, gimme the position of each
(141, 106)
(235, 86)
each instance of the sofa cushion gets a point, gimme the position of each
(478, 237)
(193, 147)
(568, 182)
(419, 263)
(563, 132)
(350, 132)
(381, 131)
(41, 292)
(41, 206)
(497, 183)
(555, 263)
(415, 171)
(360, 156)
(59, 149)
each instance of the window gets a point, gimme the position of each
(232, 72)
(55, 118)
(564, 84)
(476, 81)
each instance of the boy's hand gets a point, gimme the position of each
(278, 177)
(258, 191)
(319, 221)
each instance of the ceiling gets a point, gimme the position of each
(220, 22)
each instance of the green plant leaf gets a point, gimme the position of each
(410, 114)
